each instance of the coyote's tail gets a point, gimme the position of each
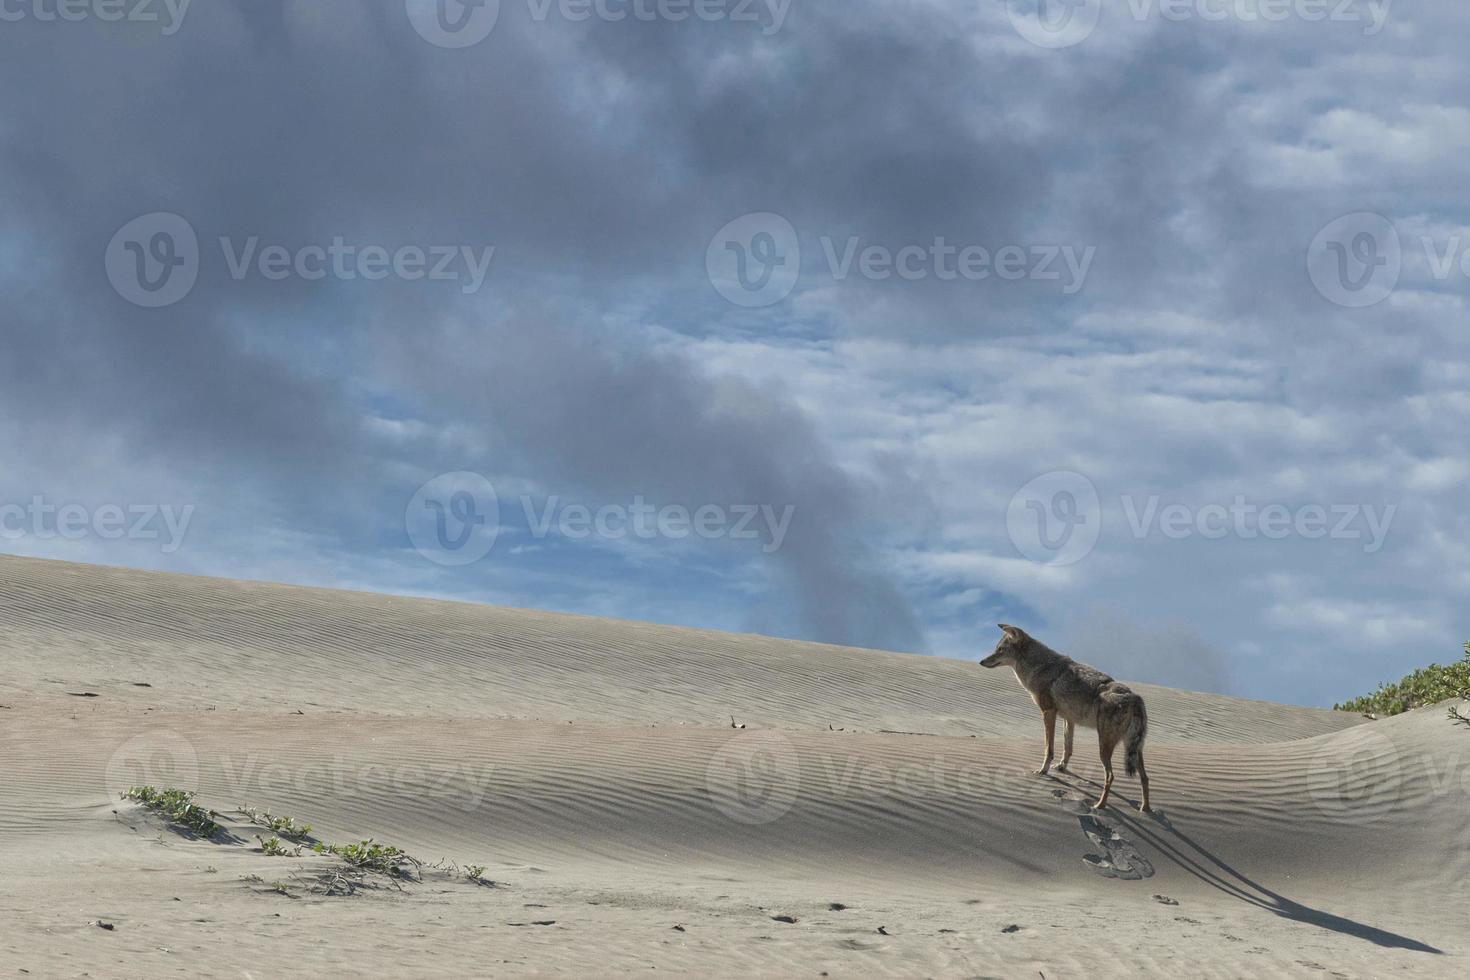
(1134, 736)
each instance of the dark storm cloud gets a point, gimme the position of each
(625, 421)
(298, 123)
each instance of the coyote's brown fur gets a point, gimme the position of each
(1082, 696)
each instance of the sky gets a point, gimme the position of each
(1139, 324)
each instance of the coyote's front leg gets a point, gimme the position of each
(1049, 719)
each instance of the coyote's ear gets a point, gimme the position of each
(1015, 632)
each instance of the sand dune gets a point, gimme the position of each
(591, 766)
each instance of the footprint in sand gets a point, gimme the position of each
(857, 945)
(1118, 857)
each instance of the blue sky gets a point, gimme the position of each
(1141, 326)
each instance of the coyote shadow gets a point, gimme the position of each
(1115, 856)
(1205, 866)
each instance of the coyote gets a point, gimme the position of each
(1082, 696)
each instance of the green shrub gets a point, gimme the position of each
(369, 855)
(275, 847)
(280, 826)
(177, 806)
(1428, 685)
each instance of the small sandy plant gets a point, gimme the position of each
(473, 873)
(366, 864)
(272, 887)
(279, 826)
(369, 855)
(275, 847)
(177, 806)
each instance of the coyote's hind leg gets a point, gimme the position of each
(1066, 746)
(1105, 749)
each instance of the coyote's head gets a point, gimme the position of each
(1008, 648)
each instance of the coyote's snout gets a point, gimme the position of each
(1082, 696)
